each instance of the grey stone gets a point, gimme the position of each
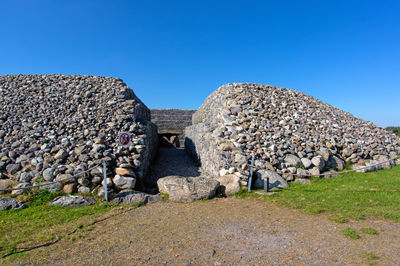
(302, 173)
(275, 180)
(314, 171)
(9, 203)
(230, 184)
(23, 188)
(302, 181)
(318, 162)
(52, 187)
(83, 189)
(124, 182)
(306, 163)
(73, 201)
(134, 197)
(13, 168)
(61, 155)
(187, 189)
(293, 160)
(6, 183)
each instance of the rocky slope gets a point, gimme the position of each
(289, 132)
(55, 126)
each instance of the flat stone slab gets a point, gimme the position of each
(185, 189)
(10, 203)
(73, 201)
(132, 197)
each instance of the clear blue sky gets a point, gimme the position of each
(173, 54)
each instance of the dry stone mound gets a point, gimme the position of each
(289, 132)
(53, 127)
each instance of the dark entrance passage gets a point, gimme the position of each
(171, 124)
(169, 140)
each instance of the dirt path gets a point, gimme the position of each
(223, 231)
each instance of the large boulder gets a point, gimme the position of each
(187, 189)
(230, 184)
(9, 203)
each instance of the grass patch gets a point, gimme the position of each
(165, 196)
(41, 223)
(370, 256)
(350, 233)
(369, 230)
(349, 196)
(338, 218)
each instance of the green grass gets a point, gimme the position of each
(338, 218)
(369, 230)
(350, 233)
(41, 223)
(370, 256)
(353, 196)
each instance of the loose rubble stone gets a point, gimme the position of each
(187, 189)
(6, 183)
(9, 203)
(124, 182)
(283, 128)
(57, 125)
(73, 201)
(275, 180)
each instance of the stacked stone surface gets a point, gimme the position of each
(289, 133)
(173, 122)
(53, 127)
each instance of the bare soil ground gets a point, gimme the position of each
(227, 231)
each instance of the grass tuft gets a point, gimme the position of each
(370, 256)
(350, 233)
(338, 218)
(369, 230)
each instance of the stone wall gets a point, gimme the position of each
(172, 121)
(289, 132)
(53, 127)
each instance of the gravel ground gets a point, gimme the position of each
(223, 231)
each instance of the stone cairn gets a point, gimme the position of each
(54, 127)
(291, 134)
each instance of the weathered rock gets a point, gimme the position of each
(84, 190)
(187, 189)
(230, 184)
(61, 155)
(13, 168)
(335, 163)
(293, 160)
(9, 203)
(134, 197)
(48, 174)
(73, 201)
(306, 163)
(318, 162)
(69, 188)
(124, 182)
(314, 171)
(6, 183)
(302, 181)
(302, 173)
(330, 174)
(125, 172)
(275, 180)
(23, 188)
(52, 187)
